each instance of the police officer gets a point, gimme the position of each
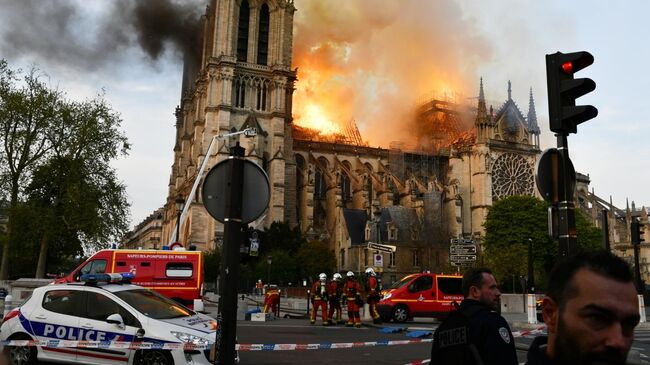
(489, 339)
(372, 294)
(319, 299)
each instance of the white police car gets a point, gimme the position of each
(106, 312)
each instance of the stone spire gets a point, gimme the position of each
(509, 90)
(482, 118)
(532, 115)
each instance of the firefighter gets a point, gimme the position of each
(272, 300)
(352, 293)
(319, 299)
(372, 294)
(335, 293)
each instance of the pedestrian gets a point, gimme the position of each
(319, 299)
(372, 294)
(352, 294)
(475, 333)
(590, 310)
(334, 295)
(259, 286)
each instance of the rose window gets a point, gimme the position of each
(511, 175)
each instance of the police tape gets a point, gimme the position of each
(239, 347)
(190, 346)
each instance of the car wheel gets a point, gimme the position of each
(21, 355)
(400, 314)
(157, 357)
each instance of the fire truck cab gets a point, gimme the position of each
(174, 274)
(420, 295)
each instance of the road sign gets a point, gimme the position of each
(462, 249)
(549, 178)
(380, 247)
(461, 263)
(453, 241)
(467, 241)
(379, 260)
(462, 258)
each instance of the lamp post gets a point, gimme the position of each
(269, 260)
(531, 270)
(179, 203)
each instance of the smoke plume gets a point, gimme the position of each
(91, 35)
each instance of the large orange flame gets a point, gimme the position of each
(375, 61)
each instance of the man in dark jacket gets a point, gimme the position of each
(488, 337)
(590, 310)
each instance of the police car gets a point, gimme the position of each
(101, 310)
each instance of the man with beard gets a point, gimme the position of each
(475, 333)
(590, 310)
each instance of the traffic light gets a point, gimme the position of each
(636, 232)
(563, 90)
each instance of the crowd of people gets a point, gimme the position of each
(328, 297)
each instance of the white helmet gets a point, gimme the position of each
(370, 271)
(322, 276)
(350, 274)
(337, 276)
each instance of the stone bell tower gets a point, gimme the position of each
(241, 78)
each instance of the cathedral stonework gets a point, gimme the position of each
(344, 193)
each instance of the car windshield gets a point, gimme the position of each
(398, 284)
(153, 305)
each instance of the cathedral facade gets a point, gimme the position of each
(412, 198)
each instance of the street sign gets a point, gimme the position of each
(462, 258)
(549, 178)
(467, 241)
(380, 247)
(453, 241)
(462, 249)
(461, 263)
(379, 260)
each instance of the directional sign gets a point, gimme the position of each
(462, 258)
(453, 241)
(381, 247)
(461, 263)
(467, 241)
(462, 249)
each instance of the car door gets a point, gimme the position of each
(421, 290)
(56, 318)
(93, 327)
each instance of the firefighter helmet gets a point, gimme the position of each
(337, 276)
(350, 274)
(322, 276)
(370, 271)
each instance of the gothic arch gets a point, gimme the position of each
(242, 31)
(263, 27)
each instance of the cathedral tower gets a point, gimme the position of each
(241, 78)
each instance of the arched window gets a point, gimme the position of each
(242, 31)
(346, 190)
(263, 36)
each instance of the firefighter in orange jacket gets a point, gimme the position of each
(272, 300)
(352, 293)
(335, 293)
(319, 299)
(372, 294)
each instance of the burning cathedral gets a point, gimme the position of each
(413, 196)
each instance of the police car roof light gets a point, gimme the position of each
(124, 277)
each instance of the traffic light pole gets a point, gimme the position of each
(227, 317)
(567, 237)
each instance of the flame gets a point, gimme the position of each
(373, 64)
(314, 117)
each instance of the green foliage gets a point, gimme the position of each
(58, 154)
(316, 257)
(280, 236)
(510, 223)
(212, 264)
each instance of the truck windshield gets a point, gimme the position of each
(405, 280)
(153, 305)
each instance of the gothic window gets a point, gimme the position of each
(415, 257)
(511, 175)
(263, 36)
(261, 91)
(242, 31)
(369, 182)
(320, 185)
(239, 90)
(342, 258)
(395, 191)
(346, 190)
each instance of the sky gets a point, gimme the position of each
(358, 59)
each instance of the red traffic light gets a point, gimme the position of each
(567, 67)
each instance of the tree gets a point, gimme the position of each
(511, 222)
(26, 112)
(280, 236)
(316, 257)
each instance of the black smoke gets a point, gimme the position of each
(92, 34)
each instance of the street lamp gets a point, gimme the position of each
(531, 269)
(269, 260)
(179, 203)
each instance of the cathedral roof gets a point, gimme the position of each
(355, 221)
(509, 114)
(532, 115)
